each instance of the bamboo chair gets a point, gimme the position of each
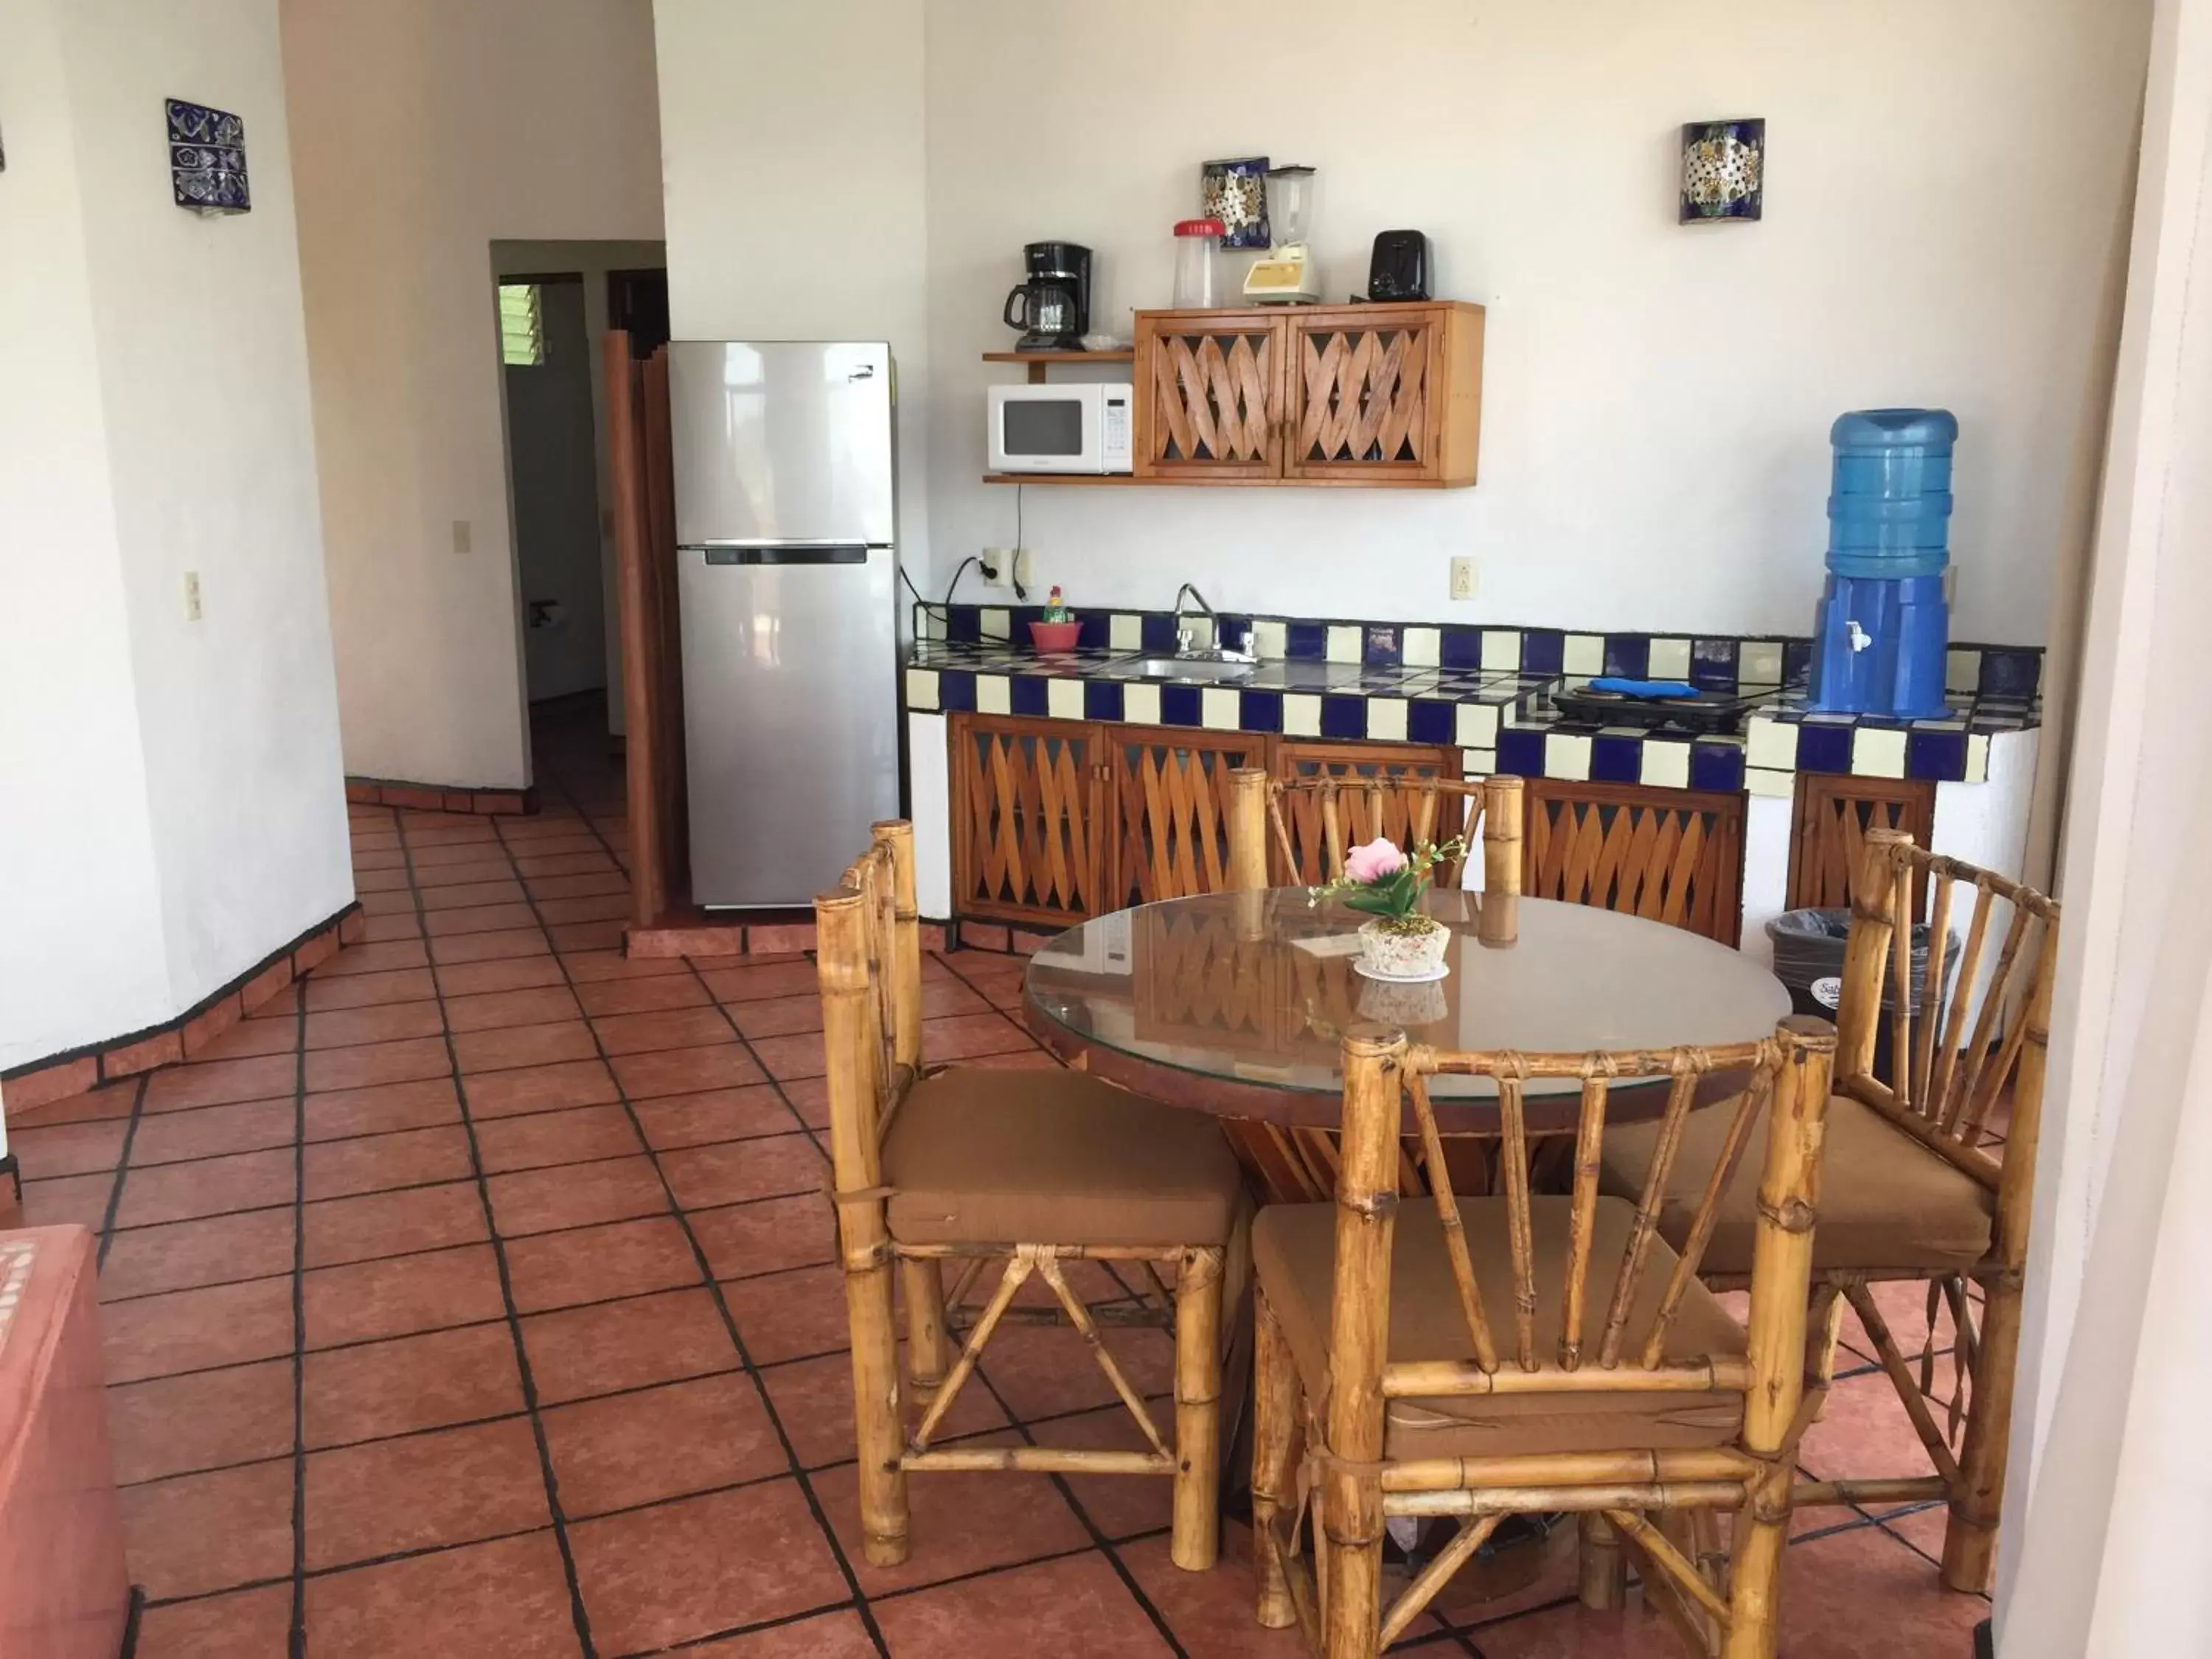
(1910, 1192)
(1434, 810)
(1028, 1168)
(1454, 1363)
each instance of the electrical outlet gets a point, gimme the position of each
(996, 566)
(191, 596)
(1462, 577)
(1025, 570)
(460, 535)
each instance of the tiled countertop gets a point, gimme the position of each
(1504, 719)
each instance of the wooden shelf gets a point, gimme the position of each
(1129, 357)
(1065, 478)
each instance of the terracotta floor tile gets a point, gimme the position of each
(1068, 1606)
(593, 1264)
(271, 1030)
(1904, 1307)
(419, 1491)
(525, 1045)
(545, 1139)
(809, 1097)
(215, 1082)
(215, 1531)
(589, 885)
(587, 935)
(594, 967)
(431, 853)
(604, 907)
(540, 1088)
(673, 1027)
(960, 1524)
(491, 1010)
(640, 1447)
(114, 1100)
(965, 1037)
(509, 1598)
(1046, 1371)
(386, 1223)
(1864, 1432)
(373, 1164)
(831, 1635)
(181, 1192)
(488, 947)
(454, 895)
(479, 918)
(184, 1255)
(411, 1382)
(813, 1400)
(174, 1425)
(713, 1114)
(576, 1196)
(626, 1344)
(379, 1022)
(950, 997)
(373, 959)
(382, 1108)
(727, 1174)
(1021, 1059)
(754, 980)
(367, 1300)
(400, 927)
(378, 1062)
(68, 1149)
(561, 864)
(766, 1236)
(253, 1624)
(641, 996)
(1211, 1613)
(797, 1055)
(701, 1564)
(214, 1132)
(191, 1330)
(462, 978)
(685, 1071)
(368, 990)
(770, 1017)
(786, 1315)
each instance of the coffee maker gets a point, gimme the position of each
(1053, 306)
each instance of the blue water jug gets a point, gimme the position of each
(1883, 627)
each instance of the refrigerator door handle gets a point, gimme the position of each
(786, 553)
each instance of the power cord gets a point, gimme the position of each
(939, 608)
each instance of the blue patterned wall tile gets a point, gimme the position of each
(1158, 633)
(1712, 664)
(1344, 717)
(1461, 648)
(1428, 721)
(1628, 655)
(955, 690)
(1616, 759)
(1179, 705)
(963, 624)
(1823, 748)
(1102, 700)
(207, 158)
(1543, 650)
(1938, 754)
(1797, 661)
(2010, 673)
(1029, 695)
(1235, 633)
(1717, 766)
(1305, 641)
(1260, 711)
(1379, 647)
(1521, 752)
(1098, 633)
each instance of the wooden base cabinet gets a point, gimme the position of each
(1671, 855)
(1834, 813)
(1026, 803)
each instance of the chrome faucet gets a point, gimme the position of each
(1184, 647)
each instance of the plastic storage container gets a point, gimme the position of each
(1198, 263)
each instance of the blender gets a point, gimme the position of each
(1284, 275)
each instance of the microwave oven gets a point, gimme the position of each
(1063, 429)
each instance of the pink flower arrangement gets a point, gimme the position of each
(1373, 862)
(1380, 879)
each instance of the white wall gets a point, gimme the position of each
(176, 811)
(428, 129)
(1943, 184)
(793, 140)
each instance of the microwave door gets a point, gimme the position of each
(1043, 433)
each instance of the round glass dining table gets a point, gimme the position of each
(1236, 1003)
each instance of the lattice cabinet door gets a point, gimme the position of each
(1026, 807)
(1384, 394)
(1170, 791)
(1670, 855)
(1833, 814)
(1209, 395)
(1392, 765)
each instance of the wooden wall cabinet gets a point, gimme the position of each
(1374, 396)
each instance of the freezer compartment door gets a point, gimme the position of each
(790, 714)
(781, 441)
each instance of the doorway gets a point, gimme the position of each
(552, 468)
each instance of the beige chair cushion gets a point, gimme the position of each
(978, 1155)
(1884, 1201)
(1294, 1249)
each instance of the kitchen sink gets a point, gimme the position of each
(1195, 668)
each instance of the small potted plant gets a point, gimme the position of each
(1402, 941)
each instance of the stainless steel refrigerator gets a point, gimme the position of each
(785, 531)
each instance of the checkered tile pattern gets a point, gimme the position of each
(476, 1298)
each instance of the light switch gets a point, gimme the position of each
(191, 596)
(460, 535)
(1462, 578)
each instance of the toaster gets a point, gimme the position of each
(1399, 267)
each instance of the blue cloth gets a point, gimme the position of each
(1653, 689)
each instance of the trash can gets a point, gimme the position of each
(1808, 958)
